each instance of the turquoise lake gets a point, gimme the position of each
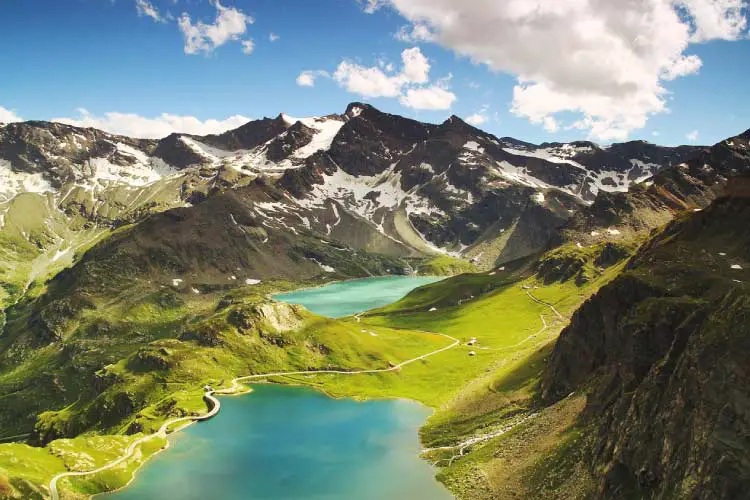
(353, 296)
(293, 443)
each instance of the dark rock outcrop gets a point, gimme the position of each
(662, 352)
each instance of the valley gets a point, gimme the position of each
(563, 298)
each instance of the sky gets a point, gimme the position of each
(667, 71)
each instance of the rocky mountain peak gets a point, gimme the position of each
(355, 109)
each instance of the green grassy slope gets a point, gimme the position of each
(128, 354)
(496, 387)
(173, 349)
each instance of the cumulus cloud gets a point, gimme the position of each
(478, 118)
(133, 125)
(416, 66)
(692, 136)
(378, 81)
(603, 60)
(272, 37)
(307, 78)
(367, 82)
(414, 33)
(230, 24)
(433, 97)
(9, 116)
(371, 6)
(715, 19)
(247, 47)
(146, 8)
(410, 84)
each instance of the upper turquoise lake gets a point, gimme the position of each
(345, 298)
(294, 443)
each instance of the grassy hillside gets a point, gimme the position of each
(482, 389)
(159, 346)
(163, 352)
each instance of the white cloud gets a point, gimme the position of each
(692, 136)
(230, 24)
(550, 124)
(247, 47)
(367, 82)
(430, 98)
(656, 133)
(146, 8)
(133, 125)
(411, 84)
(715, 19)
(686, 65)
(376, 81)
(415, 33)
(606, 61)
(371, 6)
(272, 37)
(9, 116)
(307, 78)
(416, 67)
(478, 118)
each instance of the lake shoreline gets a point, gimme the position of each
(301, 384)
(424, 409)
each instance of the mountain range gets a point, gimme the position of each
(366, 179)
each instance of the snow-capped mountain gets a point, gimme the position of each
(371, 180)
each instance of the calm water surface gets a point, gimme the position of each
(292, 443)
(350, 297)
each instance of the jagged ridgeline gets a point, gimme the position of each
(369, 180)
(134, 271)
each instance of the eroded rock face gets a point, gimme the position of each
(662, 352)
(280, 316)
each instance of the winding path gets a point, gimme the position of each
(215, 407)
(538, 301)
(464, 445)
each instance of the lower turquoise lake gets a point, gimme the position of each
(294, 443)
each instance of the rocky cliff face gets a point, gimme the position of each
(662, 352)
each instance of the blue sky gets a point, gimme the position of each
(83, 60)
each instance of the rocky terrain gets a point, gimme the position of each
(662, 353)
(367, 179)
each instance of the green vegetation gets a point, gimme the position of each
(446, 265)
(164, 347)
(497, 387)
(159, 346)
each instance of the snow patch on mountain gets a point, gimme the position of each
(326, 130)
(362, 195)
(474, 146)
(144, 171)
(519, 175)
(13, 183)
(551, 155)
